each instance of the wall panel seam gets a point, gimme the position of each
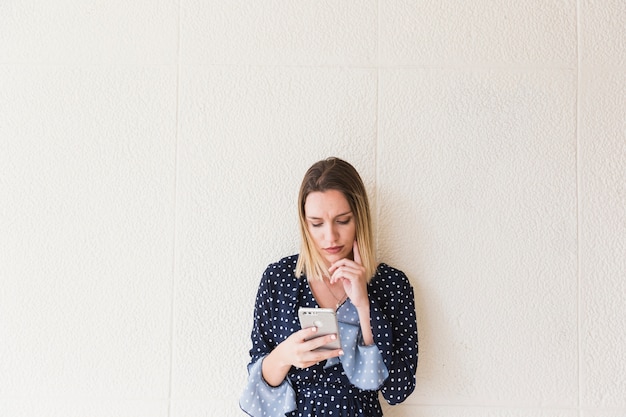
(578, 217)
(175, 231)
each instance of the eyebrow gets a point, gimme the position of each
(339, 215)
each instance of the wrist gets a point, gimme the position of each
(273, 368)
(365, 305)
(362, 306)
(278, 360)
(366, 326)
(364, 313)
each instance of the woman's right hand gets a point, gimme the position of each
(301, 353)
(298, 352)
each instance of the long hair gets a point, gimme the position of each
(335, 174)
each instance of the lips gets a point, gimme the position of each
(333, 250)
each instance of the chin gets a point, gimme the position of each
(334, 258)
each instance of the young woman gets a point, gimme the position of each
(288, 375)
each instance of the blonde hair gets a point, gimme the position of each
(335, 174)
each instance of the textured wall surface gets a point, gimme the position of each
(150, 155)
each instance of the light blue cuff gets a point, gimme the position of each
(259, 399)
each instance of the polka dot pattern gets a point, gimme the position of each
(347, 387)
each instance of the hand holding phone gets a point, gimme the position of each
(325, 320)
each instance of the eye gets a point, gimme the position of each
(347, 221)
(316, 224)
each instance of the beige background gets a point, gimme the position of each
(150, 155)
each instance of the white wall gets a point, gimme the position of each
(150, 155)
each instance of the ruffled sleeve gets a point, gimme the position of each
(259, 399)
(363, 365)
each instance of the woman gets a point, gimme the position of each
(335, 269)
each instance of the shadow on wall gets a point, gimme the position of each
(405, 243)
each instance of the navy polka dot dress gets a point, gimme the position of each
(347, 386)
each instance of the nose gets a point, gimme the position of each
(331, 233)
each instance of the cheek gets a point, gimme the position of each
(315, 235)
(350, 229)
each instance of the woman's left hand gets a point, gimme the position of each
(351, 273)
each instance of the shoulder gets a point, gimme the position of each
(388, 281)
(284, 267)
(279, 283)
(281, 272)
(388, 274)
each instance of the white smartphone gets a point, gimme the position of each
(325, 319)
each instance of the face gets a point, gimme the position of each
(331, 224)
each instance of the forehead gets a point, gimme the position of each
(328, 203)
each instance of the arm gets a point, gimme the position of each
(366, 327)
(395, 327)
(386, 309)
(257, 393)
(295, 351)
(280, 351)
(352, 275)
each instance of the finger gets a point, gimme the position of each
(334, 266)
(343, 275)
(349, 272)
(318, 342)
(317, 356)
(330, 353)
(339, 275)
(356, 253)
(305, 332)
(342, 263)
(302, 335)
(311, 341)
